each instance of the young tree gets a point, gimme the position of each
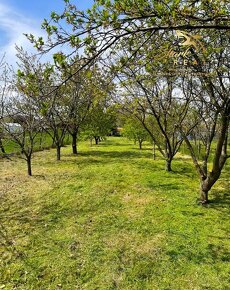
(153, 101)
(99, 123)
(82, 91)
(134, 130)
(37, 81)
(23, 126)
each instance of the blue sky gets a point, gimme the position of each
(25, 16)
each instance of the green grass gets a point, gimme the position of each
(41, 142)
(111, 218)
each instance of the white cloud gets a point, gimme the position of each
(12, 25)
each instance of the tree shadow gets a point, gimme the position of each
(215, 253)
(114, 154)
(164, 187)
(220, 200)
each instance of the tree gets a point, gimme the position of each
(100, 122)
(153, 101)
(107, 23)
(205, 67)
(37, 81)
(110, 26)
(82, 92)
(23, 126)
(212, 106)
(134, 130)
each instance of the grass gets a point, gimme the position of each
(41, 142)
(111, 218)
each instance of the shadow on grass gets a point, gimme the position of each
(116, 154)
(184, 170)
(214, 253)
(165, 187)
(103, 157)
(220, 200)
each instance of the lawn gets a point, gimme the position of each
(111, 218)
(42, 141)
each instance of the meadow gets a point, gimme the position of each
(111, 218)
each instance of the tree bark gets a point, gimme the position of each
(204, 189)
(203, 196)
(2, 147)
(58, 153)
(154, 151)
(168, 165)
(74, 143)
(199, 148)
(140, 144)
(40, 141)
(97, 140)
(29, 166)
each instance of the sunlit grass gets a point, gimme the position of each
(110, 218)
(41, 142)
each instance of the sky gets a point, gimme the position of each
(25, 16)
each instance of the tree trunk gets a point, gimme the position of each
(154, 151)
(40, 141)
(168, 165)
(53, 144)
(203, 196)
(97, 140)
(2, 147)
(29, 166)
(74, 143)
(199, 148)
(58, 153)
(140, 144)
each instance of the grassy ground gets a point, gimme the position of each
(110, 218)
(41, 142)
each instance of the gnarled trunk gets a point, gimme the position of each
(206, 184)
